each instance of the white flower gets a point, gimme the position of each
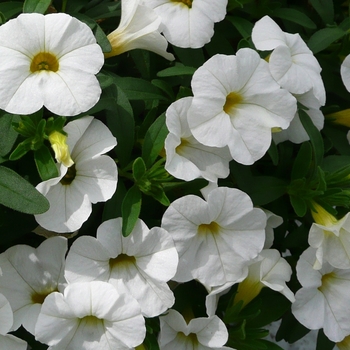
(8, 341)
(29, 275)
(200, 333)
(188, 23)
(292, 63)
(90, 315)
(331, 238)
(92, 178)
(296, 132)
(273, 221)
(345, 72)
(48, 61)
(269, 270)
(216, 239)
(186, 158)
(237, 103)
(139, 264)
(214, 294)
(324, 299)
(138, 29)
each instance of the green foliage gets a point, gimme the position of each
(38, 6)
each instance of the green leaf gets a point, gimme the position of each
(138, 168)
(323, 38)
(325, 10)
(45, 164)
(18, 194)
(154, 140)
(243, 26)
(302, 162)
(131, 208)
(299, 205)
(323, 343)
(178, 70)
(8, 135)
(21, 150)
(113, 207)
(38, 6)
(11, 8)
(294, 16)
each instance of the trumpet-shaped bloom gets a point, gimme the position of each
(200, 333)
(324, 299)
(138, 29)
(270, 270)
(296, 132)
(292, 63)
(345, 72)
(139, 264)
(189, 23)
(48, 61)
(273, 221)
(92, 178)
(8, 341)
(186, 158)
(237, 103)
(216, 239)
(29, 275)
(90, 315)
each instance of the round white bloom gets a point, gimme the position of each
(93, 177)
(296, 132)
(292, 63)
(90, 315)
(200, 333)
(48, 61)
(216, 239)
(345, 72)
(324, 299)
(139, 264)
(237, 103)
(29, 275)
(188, 23)
(186, 158)
(138, 29)
(8, 341)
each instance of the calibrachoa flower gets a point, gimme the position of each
(345, 72)
(237, 104)
(139, 264)
(189, 23)
(216, 239)
(48, 60)
(331, 238)
(186, 158)
(139, 28)
(269, 270)
(92, 178)
(324, 299)
(272, 222)
(8, 341)
(201, 333)
(291, 63)
(29, 275)
(90, 315)
(296, 132)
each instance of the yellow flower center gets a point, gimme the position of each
(70, 176)
(38, 298)
(180, 148)
(212, 228)
(232, 100)
(327, 281)
(189, 339)
(44, 61)
(187, 3)
(121, 259)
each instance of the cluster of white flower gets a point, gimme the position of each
(98, 295)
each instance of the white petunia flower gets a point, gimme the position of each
(237, 103)
(296, 132)
(292, 63)
(269, 270)
(199, 333)
(29, 275)
(273, 221)
(324, 299)
(48, 60)
(345, 72)
(139, 264)
(189, 23)
(214, 294)
(90, 315)
(92, 178)
(138, 29)
(8, 341)
(331, 238)
(216, 239)
(186, 158)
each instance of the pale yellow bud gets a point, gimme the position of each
(61, 149)
(321, 215)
